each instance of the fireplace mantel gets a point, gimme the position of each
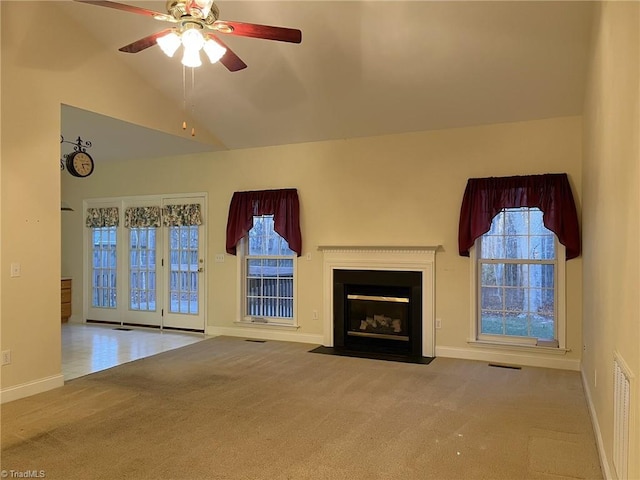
(382, 257)
(378, 248)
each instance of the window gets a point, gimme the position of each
(519, 231)
(518, 275)
(267, 223)
(269, 270)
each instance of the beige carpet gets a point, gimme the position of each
(226, 408)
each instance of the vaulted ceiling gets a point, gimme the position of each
(364, 68)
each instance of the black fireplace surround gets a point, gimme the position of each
(378, 312)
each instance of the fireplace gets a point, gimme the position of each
(378, 311)
(380, 299)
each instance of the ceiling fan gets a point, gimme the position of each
(196, 27)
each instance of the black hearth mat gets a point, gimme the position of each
(372, 355)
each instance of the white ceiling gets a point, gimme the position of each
(363, 68)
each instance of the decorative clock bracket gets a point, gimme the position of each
(78, 146)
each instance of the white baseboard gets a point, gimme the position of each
(604, 461)
(31, 388)
(265, 334)
(515, 358)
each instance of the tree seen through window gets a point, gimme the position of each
(517, 276)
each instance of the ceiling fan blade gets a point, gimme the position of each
(229, 59)
(143, 43)
(130, 9)
(266, 32)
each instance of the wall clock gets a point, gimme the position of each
(80, 164)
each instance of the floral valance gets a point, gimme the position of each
(282, 204)
(102, 217)
(551, 193)
(181, 215)
(140, 217)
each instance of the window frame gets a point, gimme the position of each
(559, 294)
(268, 321)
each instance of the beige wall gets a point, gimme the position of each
(611, 218)
(401, 189)
(391, 190)
(42, 68)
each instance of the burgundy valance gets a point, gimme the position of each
(484, 198)
(282, 204)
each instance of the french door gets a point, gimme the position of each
(183, 265)
(148, 269)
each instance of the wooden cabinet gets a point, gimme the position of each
(65, 304)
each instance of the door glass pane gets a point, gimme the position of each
(103, 267)
(183, 270)
(142, 269)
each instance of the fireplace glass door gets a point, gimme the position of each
(378, 317)
(378, 311)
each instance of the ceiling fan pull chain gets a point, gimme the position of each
(193, 103)
(184, 97)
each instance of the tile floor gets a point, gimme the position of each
(88, 348)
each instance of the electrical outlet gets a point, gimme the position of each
(219, 257)
(438, 323)
(6, 357)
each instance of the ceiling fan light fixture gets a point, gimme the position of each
(191, 58)
(169, 43)
(194, 23)
(199, 8)
(192, 39)
(214, 50)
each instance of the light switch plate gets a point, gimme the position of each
(15, 269)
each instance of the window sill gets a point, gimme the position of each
(518, 346)
(279, 326)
